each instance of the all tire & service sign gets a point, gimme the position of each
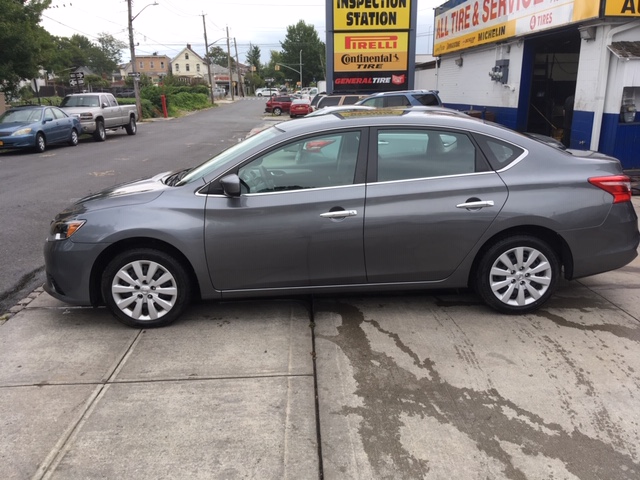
(371, 45)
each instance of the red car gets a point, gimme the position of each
(278, 104)
(300, 106)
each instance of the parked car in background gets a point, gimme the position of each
(339, 109)
(36, 127)
(338, 99)
(99, 112)
(300, 107)
(414, 200)
(266, 92)
(278, 104)
(404, 98)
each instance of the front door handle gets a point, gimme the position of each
(476, 204)
(340, 214)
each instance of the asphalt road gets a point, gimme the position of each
(37, 186)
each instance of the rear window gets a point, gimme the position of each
(428, 100)
(499, 153)
(328, 102)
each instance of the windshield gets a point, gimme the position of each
(21, 116)
(80, 101)
(229, 155)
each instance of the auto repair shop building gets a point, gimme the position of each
(518, 61)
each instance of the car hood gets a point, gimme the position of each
(132, 193)
(12, 127)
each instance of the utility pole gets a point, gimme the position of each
(240, 86)
(132, 49)
(229, 65)
(206, 52)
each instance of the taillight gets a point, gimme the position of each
(617, 185)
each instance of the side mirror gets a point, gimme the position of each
(48, 119)
(231, 185)
(105, 104)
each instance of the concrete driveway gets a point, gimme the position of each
(432, 386)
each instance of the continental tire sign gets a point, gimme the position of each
(371, 41)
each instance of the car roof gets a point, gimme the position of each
(402, 92)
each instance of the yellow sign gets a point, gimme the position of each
(371, 15)
(476, 22)
(622, 8)
(382, 51)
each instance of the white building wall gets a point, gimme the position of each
(622, 73)
(470, 83)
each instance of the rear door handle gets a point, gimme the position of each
(340, 214)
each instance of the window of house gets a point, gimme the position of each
(162, 65)
(151, 65)
(177, 67)
(141, 64)
(316, 162)
(186, 56)
(187, 67)
(422, 153)
(197, 67)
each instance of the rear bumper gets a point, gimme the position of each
(609, 246)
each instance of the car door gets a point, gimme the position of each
(298, 221)
(112, 115)
(53, 127)
(430, 198)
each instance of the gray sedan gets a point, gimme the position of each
(338, 203)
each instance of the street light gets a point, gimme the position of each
(132, 49)
(293, 69)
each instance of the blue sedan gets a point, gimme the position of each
(36, 127)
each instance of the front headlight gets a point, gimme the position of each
(61, 230)
(22, 131)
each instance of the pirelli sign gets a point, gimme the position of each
(370, 43)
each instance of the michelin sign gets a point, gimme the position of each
(371, 45)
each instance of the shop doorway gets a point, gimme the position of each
(551, 68)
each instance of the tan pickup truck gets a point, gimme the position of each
(99, 112)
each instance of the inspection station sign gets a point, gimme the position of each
(370, 44)
(465, 24)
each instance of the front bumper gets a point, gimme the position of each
(20, 141)
(68, 267)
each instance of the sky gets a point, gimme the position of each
(168, 27)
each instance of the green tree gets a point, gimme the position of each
(304, 38)
(219, 56)
(253, 58)
(24, 43)
(107, 54)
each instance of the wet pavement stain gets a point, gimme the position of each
(390, 393)
(627, 333)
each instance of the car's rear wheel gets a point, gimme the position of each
(277, 111)
(517, 274)
(41, 143)
(100, 134)
(73, 139)
(145, 288)
(131, 127)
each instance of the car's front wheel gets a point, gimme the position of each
(517, 274)
(277, 111)
(100, 134)
(145, 288)
(73, 139)
(41, 143)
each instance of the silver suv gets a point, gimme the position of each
(403, 98)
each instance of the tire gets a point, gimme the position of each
(73, 139)
(517, 274)
(277, 111)
(41, 143)
(259, 94)
(100, 134)
(136, 300)
(131, 127)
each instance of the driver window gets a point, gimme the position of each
(314, 162)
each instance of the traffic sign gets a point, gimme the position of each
(133, 74)
(76, 75)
